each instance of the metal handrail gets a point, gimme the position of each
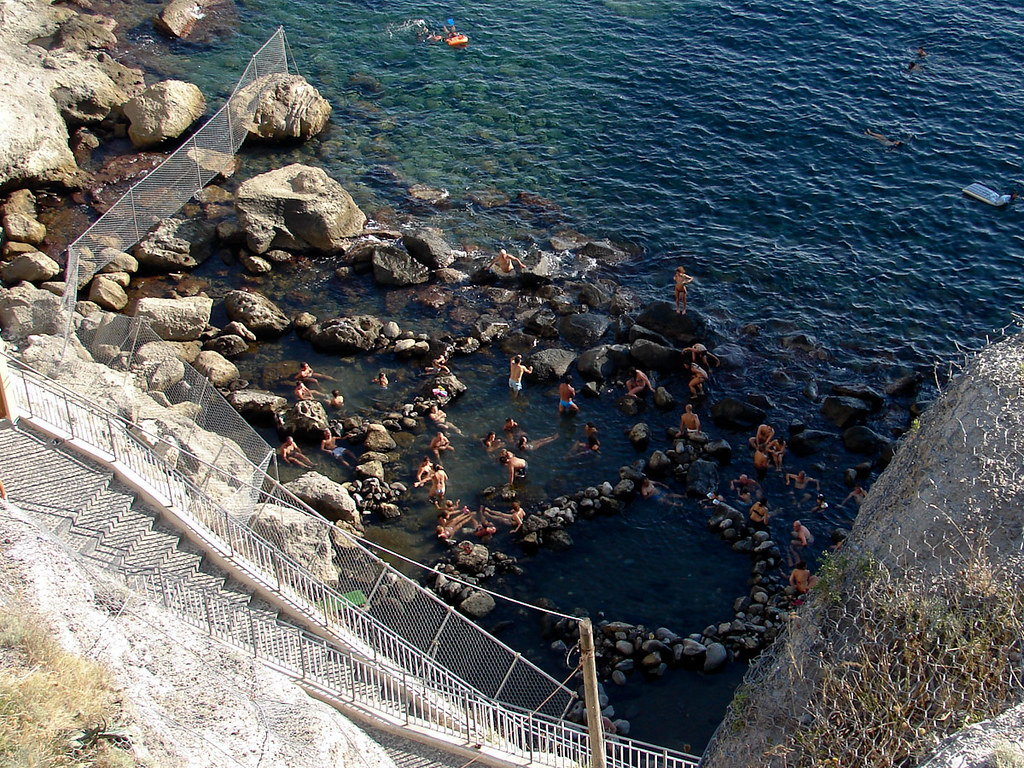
(111, 437)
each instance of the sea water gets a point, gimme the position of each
(725, 136)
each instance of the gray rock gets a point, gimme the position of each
(471, 559)
(163, 111)
(256, 404)
(683, 330)
(108, 293)
(702, 478)
(659, 463)
(327, 497)
(23, 228)
(736, 414)
(861, 439)
(228, 345)
(639, 435)
(305, 539)
(254, 265)
(35, 267)
(595, 364)
(379, 439)
(305, 418)
(551, 364)
(716, 657)
(844, 411)
(287, 108)
(182, 319)
(583, 330)
(429, 248)
(346, 335)
(654, 356)
(296, 208)
(719, 450)
(663, 399)
(175, 245)
(394, 266)
(219, 370)
(477, 605)
(117, 261)
(256, 312)
(809, 441)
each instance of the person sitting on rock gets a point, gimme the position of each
(302, 392)
(801, 579)
(637, 383)
(329, 444)
(765, 434)
(423, 472)
(504, 264)
(514, 517)
(448, 526)
(689, 422)
(776, 450)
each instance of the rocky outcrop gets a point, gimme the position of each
(328, 498)
(175, 244)
(35, 267)
(393, 266)
(163, 111)
(220, 371)
(25, 309)
(346, 335)
(428, 246)
(304, 538)
(297, 208)
(288, 108)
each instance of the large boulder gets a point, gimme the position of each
(83, 32)
(256, 312)
(176, 244)
(306, 418)
(34, 266)
(196, 19)
(596, 364)
(108, 293)
(288, 108)
(219, 370)
(394, 266)
(25, 309)
(23, 228)
(429, 248)
(861, 439)
(736, 414)
(182, 319)
(257, 405)
(845, 411)
(809, 442)
(584, 329)
(654, 356)
(163, 111)
(551, 364)
(662, 318)
(328, 498)
(297, 207)
(346, 335)
(702, 478)
(88, 87)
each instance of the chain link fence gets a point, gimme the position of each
(174, 182)
(916, 626)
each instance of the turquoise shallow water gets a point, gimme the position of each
(724, 135)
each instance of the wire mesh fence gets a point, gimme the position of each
(178, 178)
(916, 627)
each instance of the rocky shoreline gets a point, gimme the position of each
(595, 328)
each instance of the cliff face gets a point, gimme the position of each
(188, 700)
(914, 630)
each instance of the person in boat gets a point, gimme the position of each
(882, 139)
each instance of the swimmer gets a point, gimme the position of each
(336, 400)
(800, 538)
(689, 422)
(801, 480)
(516, 369)
(761, 438)
(516, 466)
(523, 444)
(441, 443)
(637, 383)
(308, 376)
(681, 280)
(440, 419)
(504, 264)
(858, 495)
(746, 488)
(651, 489)
(291, 453)
(566, 393)
(511, 425)
(492, 441)
(820, 505)
(590, 435)
(885, 141)
(759, 513)
(381, 379)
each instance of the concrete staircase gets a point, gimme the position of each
(85, 506)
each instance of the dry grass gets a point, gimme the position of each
(895, 665)
(48, 698)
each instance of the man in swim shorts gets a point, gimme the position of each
(516, 466)
(566, 393)
(516, 369)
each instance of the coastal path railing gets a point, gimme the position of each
(472, 661)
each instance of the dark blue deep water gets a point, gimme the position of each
(727, 136)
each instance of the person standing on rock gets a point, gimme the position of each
(566, 393)
(681, 280)
(516, 369)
